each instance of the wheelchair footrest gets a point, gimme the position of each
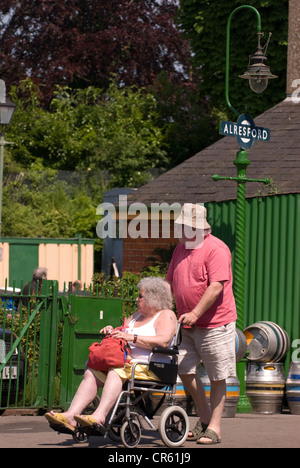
(61, 429)
(94, 430)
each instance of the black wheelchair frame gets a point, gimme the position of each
(132, 407)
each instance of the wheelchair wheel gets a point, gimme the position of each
(173, 426)
(79, 436)
(131, 434)
(92, 406)
(114, 432)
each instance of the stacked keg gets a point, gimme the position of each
(293, 388)
(268, 344)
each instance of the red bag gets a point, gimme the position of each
(110, 352)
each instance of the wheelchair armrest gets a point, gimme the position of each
(168, 351)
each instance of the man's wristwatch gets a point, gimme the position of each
(134, 338)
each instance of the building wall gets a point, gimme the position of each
(59, 256)
(4, 264)
(61, 260)
(136, 251)
(293, 65)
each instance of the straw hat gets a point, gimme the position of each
(193, 215)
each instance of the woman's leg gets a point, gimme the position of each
(111, 391)
(85, 394)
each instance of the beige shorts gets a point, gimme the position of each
(215, 347)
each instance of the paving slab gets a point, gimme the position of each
(243, 431)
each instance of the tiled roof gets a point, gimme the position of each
(278, 159)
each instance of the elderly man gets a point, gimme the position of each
(30, 288)
(201, 279)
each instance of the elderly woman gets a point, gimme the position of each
(154, 324)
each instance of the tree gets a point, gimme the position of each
(185, 118)
(204, 24)
(39, 203)
(114, 131)
(81, 43)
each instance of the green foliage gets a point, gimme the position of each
(124, 288)
(15, 323)
(161, 259)
(185, 118)
(204, 23)
(37, 203)
(114, 131)
(88, 134)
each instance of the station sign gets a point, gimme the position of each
(245, 131)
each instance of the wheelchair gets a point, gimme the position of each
(134, 407)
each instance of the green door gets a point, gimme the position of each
(23, 259)
(84, 318)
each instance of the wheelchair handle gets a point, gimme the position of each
(177, 338)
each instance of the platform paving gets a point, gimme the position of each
(243, 431)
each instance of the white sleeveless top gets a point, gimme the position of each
(137, 353)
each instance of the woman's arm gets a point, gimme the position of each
(165, 327)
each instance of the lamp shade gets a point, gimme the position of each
(258, 73)
(6, 111)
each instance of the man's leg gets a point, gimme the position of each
(217, 402)
(194, 386)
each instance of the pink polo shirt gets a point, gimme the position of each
(192, 270)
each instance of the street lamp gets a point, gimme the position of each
(258, 74)
(7, 108)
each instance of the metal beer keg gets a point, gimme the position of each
(293, 388)
(267, 342)
(265, 385)
(240, 345)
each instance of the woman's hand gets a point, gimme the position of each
(120, 334)
(107, 330)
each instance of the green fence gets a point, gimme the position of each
(22, 328)
(44, 340)
(272, 257)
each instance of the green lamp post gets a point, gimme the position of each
(258, 74)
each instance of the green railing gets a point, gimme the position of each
(39, 333)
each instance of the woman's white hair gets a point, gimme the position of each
(156, 293)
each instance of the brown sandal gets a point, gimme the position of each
(211, 435)
(197, 431)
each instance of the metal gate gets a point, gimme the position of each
(44, 344)
(23, 322)
(84, 318)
